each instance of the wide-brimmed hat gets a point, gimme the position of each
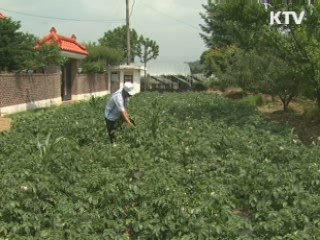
(128, 87)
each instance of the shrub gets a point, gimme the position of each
(254, 100)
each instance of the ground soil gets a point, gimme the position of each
(5, 124)
(305, 123)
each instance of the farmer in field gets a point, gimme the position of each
(116, 109)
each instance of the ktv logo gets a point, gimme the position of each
(275, 17)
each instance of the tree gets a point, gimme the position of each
(99, 57)
(264, 73)
(306, 37)
(238, 23)
(196, 67)
(10, 44)
(217, 60)
(46, 55)
(245, 25)
(17, 50)
(117, 39)
(148, 49)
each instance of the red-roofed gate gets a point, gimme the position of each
(71, 49)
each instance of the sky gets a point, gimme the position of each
(173, 24)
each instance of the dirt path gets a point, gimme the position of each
(5, 124)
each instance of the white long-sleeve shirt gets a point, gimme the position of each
(115, 106)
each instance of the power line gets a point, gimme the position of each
(64, 19)
(132, 7)
(166, 15)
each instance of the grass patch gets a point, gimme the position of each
(254, 100)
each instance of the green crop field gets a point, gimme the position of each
(197, 166)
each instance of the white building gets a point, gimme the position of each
(125, 73)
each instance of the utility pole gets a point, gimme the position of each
(128, 33)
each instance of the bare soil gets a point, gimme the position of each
(306, 124)
(5, 124)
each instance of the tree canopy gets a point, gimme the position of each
(141, 47)
(148, 49)
(117, 39)
(245, 26)
(101, 56)
(17, 50)
(13, 44)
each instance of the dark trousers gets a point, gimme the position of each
(111, 127)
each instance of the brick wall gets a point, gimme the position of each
(22, 92)
(85, 83)
(25, 88)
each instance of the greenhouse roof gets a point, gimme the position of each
(157, 68)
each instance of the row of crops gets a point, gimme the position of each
(197, 166)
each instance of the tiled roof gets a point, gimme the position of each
(2, 16)
(65, 43)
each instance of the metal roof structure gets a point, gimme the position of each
(157, 68)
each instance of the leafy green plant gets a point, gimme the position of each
(253, 100)
(45, 146)
(197, 166)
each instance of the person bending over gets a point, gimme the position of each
(116, 109)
